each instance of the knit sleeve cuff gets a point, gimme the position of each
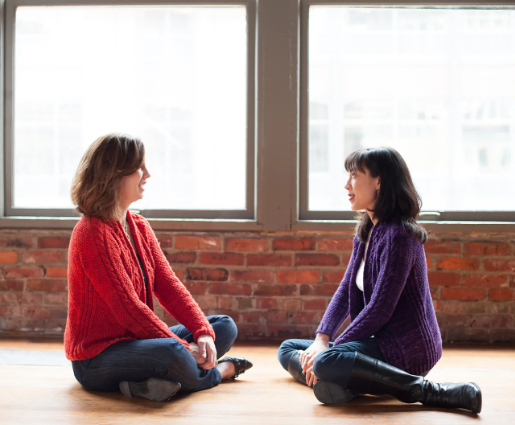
(324, 329)
(204, 331)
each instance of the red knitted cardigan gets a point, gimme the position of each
(106, 301)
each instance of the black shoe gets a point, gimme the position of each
(372, 376)
(152, 389)
(295, 368)
(240, 365)
(331, 393)
(465, 396)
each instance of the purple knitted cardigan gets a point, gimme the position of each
(395, 305)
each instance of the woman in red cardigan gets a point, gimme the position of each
(113, 338)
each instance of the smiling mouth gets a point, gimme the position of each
(351, 197)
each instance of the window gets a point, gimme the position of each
(248, 109)
(176, 76)
(435, 84)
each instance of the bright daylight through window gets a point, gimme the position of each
(174, 76)
(436, 84)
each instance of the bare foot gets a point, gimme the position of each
(226, 369)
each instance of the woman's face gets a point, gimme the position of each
(363, 190)
(132, 187)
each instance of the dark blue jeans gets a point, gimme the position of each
(335, 363)
(164, 358)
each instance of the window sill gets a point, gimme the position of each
(430, 226)
(69, 223)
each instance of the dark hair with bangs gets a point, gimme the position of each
(101, 169)
(397, 199)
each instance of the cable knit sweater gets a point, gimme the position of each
(107, 295)
(395, 306)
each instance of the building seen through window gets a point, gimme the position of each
(436, 84)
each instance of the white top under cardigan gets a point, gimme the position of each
(359, 274)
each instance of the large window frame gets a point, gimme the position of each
(304, 212)
(276, 134)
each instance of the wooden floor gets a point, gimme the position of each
(264, 395)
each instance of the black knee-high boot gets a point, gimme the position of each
(375, 377)
(295, 368)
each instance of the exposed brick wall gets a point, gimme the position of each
(274, 285)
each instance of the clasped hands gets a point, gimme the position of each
(307, 358)
(204, 352)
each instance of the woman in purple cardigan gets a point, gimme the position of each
(393, 339)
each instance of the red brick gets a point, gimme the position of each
(463, 294)
(333, 277)
(244, 303)
(492, 322)
(34, 298)
(298, 276)
(250, 330)
(223, 259)
(499, 265)
(320, 289)
(207, 243)
(21, 326)
(452, 307)
(53, 299)
(282, 331)
(8, 257)
(335, 244)
(315, 304)
(294, 244)
(225, 288)
(345, 260)
(246, 245)
(207, 274)
(305, 317)
(442, 247)
(266, 303)
(11, 298)
(179, 273)
(165, 241)
(275, 290)
(206, 302)
(24, 271)
(272, 316)
(428, 263)
(270, 260)
(454, 320)
(47, 285)
(196, 288)
(487, 248)
(56, 271)
(11, 311)
(181, 257)
(17, 242)
(436, 305)
(43, 257)
(444, 279)
(316, 260)
(11, 285)
(289, 304)
(501, 294)
(257, 276)
(54, 242)
(225, 302)
(458, 263)
(435, 292)
(485, 280)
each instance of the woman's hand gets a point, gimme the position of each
(204, 352)
(307, 358)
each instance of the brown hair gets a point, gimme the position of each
(397, 199)
(101, 169)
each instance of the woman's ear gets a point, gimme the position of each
(378, 183)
